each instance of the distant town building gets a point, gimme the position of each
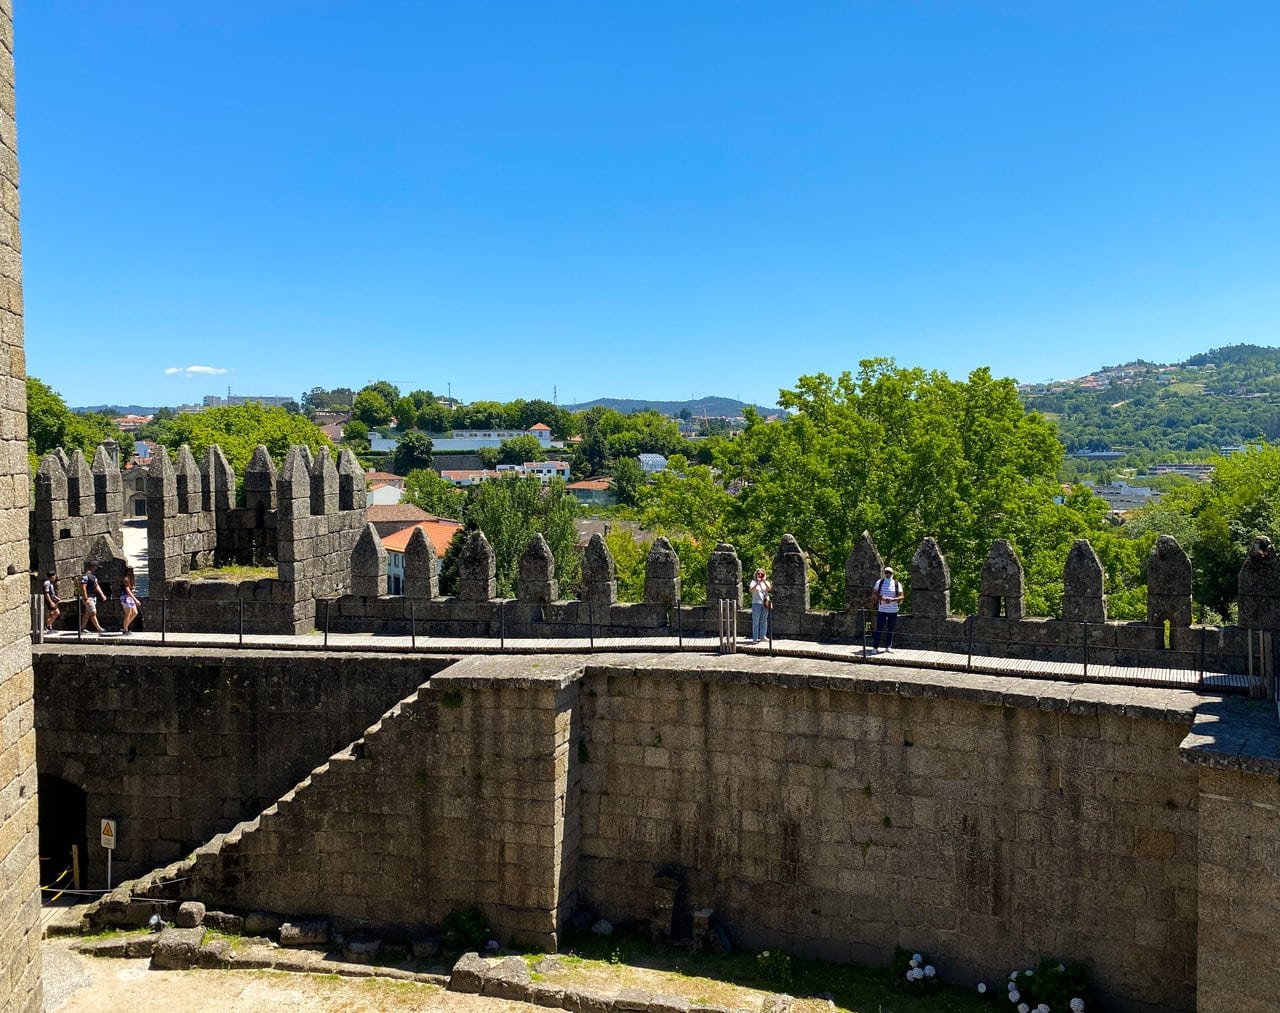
(438, 529)
(267, 400)
(475, 439)
(544, 471)
(593, 491)
(131, 423)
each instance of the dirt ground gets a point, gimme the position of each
(79, 984)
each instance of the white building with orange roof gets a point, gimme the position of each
(439, 529)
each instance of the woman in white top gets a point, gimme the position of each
(760, 589)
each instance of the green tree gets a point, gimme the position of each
(372, 409)
(51, 424)
(413, 451)
(435, 418)
(903, 453)
(426, 489)
(628, 479)
(385, 389)
(238, 430)
(489, 457)
(511, 510)
(356, 435)
(520, 449)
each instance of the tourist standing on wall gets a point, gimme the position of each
(761, 602)
(888, 597)
(90, 592)
(128, 601)
(51, 601)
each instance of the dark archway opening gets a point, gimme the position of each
(63, 810)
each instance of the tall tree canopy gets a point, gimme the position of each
(51, 424)
(903, 453)
(238, 430)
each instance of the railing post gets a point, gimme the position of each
(80, 623)
(164, 620)
(502, 625)
(862, 623)
(679, 624)
(970, 621)
(328, 606)
(1086, 649)
(241, 600)
(413, 628)
(591, 625)
(1203, 633)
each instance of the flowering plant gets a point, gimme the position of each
(1049, 987)
(914, 971)
(775, 966)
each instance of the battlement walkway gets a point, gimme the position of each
(1082, 671)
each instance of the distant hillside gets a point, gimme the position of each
(1220, 398)
(713, 407)
(115, 410)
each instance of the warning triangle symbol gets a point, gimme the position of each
(107, 831)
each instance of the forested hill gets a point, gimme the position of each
(715, 407)
(1222, 397)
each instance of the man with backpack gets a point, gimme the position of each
(889, 596)
(90, 592)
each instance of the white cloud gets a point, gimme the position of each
(194, 371)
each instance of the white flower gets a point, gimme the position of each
(1015, 996)
(1042, 1008)
(1023, 1008)
(1028, 972)
(1077, 1006)
(916, 959)
(930, 971)
(915, 962)
(982, 988)
(1013, 975)
(1062, 967)
(765, 953)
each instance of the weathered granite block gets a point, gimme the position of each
(1083, 599)
(1002, 591)
(861, 571)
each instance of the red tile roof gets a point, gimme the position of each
(440, 532)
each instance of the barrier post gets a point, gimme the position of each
(591, 625)
(1086, 649)
(679, 624)
(1203, 633)
(241, 600)
(79, 618)
(969, 621)
(413, 628)
(164, 620)
(327, 606)
(502, 625)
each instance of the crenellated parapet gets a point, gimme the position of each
(75, 505)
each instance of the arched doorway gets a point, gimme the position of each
(63, 810)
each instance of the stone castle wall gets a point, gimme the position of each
(825, 810)
(179, 745)
(19, 873)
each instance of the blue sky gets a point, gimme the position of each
(658, 199)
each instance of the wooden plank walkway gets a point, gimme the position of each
(1027, 668)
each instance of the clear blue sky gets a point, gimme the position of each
(648, 199)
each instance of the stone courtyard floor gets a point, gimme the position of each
(77, 982)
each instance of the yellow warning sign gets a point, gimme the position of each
(108, 834)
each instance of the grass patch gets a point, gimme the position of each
(703, 977)
(233, 573)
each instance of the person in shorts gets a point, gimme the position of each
(90, 593)
(51, 601)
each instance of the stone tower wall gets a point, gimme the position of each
(19, 872)
(63, 533)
